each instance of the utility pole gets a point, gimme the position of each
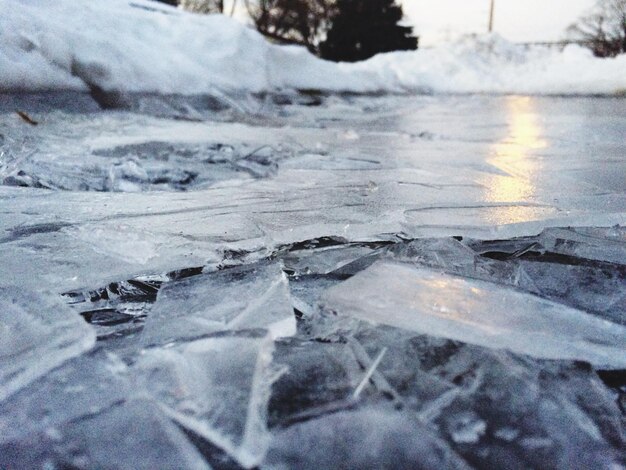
(491, 15)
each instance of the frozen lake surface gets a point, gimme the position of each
(294, 281)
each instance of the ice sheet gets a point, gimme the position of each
(327, 190)
(525, 413)
(38, 332)
(497, 408)
(602, 243)
(218, 388)
(238, 298)
(83, 415)
(320, 378)
(365, 438)
(392, 182)
(147, 166)
(135, 434)
(476, 312)
(89, 384)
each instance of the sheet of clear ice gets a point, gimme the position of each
(87, 414)
(476, 312)
(38, 332)
(497, 408)
(399, 439)
(247, 297)
(217, 387)
(357, 168)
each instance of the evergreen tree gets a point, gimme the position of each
(363, 28)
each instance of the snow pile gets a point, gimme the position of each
(491, 64)
(143, 46)
(59, 44)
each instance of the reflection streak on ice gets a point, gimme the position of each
(449, 298)
(514, 155)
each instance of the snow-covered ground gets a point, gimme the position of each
(143, 46)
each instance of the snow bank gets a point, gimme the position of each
(490, 64)
(143, 46)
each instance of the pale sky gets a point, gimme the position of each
(517, 20)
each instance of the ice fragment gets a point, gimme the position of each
(238, 298)
(477, 312)
(37, 333)
(218, 388)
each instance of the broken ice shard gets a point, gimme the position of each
(81, 415)
(232, 299)
(86, 385)
(516, 412)
(477, 312)
(217, 387)
(323, 260)
(37, 333)
(599, 290)
(601, 244)
(106, 443)
(134, 434)
(369, 438)
(319, 375)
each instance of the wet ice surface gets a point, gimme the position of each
(297, 281)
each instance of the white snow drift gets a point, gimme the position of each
(144, 46)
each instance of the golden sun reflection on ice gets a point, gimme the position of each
(514, 155)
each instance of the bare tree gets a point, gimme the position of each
(302, 22)
(203, 6)
(603, 30)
